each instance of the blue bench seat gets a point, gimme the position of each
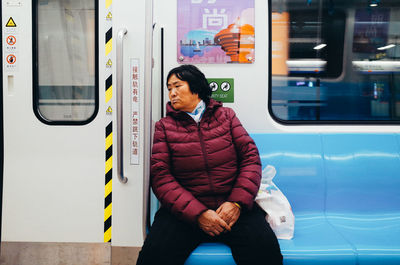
(374, 237)
(211, 253)
(345, 193)
(316, 242)
(363, 195)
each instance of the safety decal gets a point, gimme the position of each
(109, 16)
(11, 23)
(109, 63)
(11, 40)
(109, 122)
(11, 59)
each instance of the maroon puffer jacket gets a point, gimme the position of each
(195, 167)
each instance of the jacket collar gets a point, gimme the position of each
(178, 114)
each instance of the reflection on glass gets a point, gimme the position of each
(66, 59)
(280, 43)
(335, 60)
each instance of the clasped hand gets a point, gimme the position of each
(214, 223)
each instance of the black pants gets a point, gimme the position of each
(171, 241)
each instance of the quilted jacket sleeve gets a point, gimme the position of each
(249, 176)
(170, 193)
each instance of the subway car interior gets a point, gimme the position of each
(316, 84)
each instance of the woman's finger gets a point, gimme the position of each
(223, 216)
(219, 229)
(224, 225)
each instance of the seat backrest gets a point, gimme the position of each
(363, 173)
(335, 173)
(298, 161)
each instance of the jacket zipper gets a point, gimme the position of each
(205, 158)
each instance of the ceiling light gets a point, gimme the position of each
(319, 46)
(386, 47)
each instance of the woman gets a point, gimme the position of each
(206, 171)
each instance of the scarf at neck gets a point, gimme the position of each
(198, 111)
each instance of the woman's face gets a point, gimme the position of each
(180, 95)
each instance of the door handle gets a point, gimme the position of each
(120, 105)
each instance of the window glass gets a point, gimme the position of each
(335, 60)
(65, 70)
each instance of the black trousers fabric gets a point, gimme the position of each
(171, 241)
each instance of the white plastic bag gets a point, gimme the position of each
(279, 212)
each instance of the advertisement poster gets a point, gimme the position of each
(370, 29)
(215, 31)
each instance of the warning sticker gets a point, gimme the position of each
(10, 28)
(11, 59)
(109, 63)
(11, 40)
(109, 110)
(11, 23)
(11, 43)
(109, 16)
(10, 62)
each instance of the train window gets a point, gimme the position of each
(65, 61)
(335, 61)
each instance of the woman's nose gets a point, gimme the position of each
(172, 92)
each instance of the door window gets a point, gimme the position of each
(65, 61)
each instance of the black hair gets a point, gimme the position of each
(197, 81)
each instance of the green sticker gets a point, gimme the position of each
(222, 89)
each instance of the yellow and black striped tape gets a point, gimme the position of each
(108, 184)
(109, 124)
(109, 91)
(108, 41)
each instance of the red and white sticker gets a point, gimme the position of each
(10, 62)
(11, 43)
(11, 59)
(11, 40)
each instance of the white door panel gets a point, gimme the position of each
(128, 198)
(53, 175)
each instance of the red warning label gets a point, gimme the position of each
(11, 59)
(11, 40)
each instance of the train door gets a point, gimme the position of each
(67, 156)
